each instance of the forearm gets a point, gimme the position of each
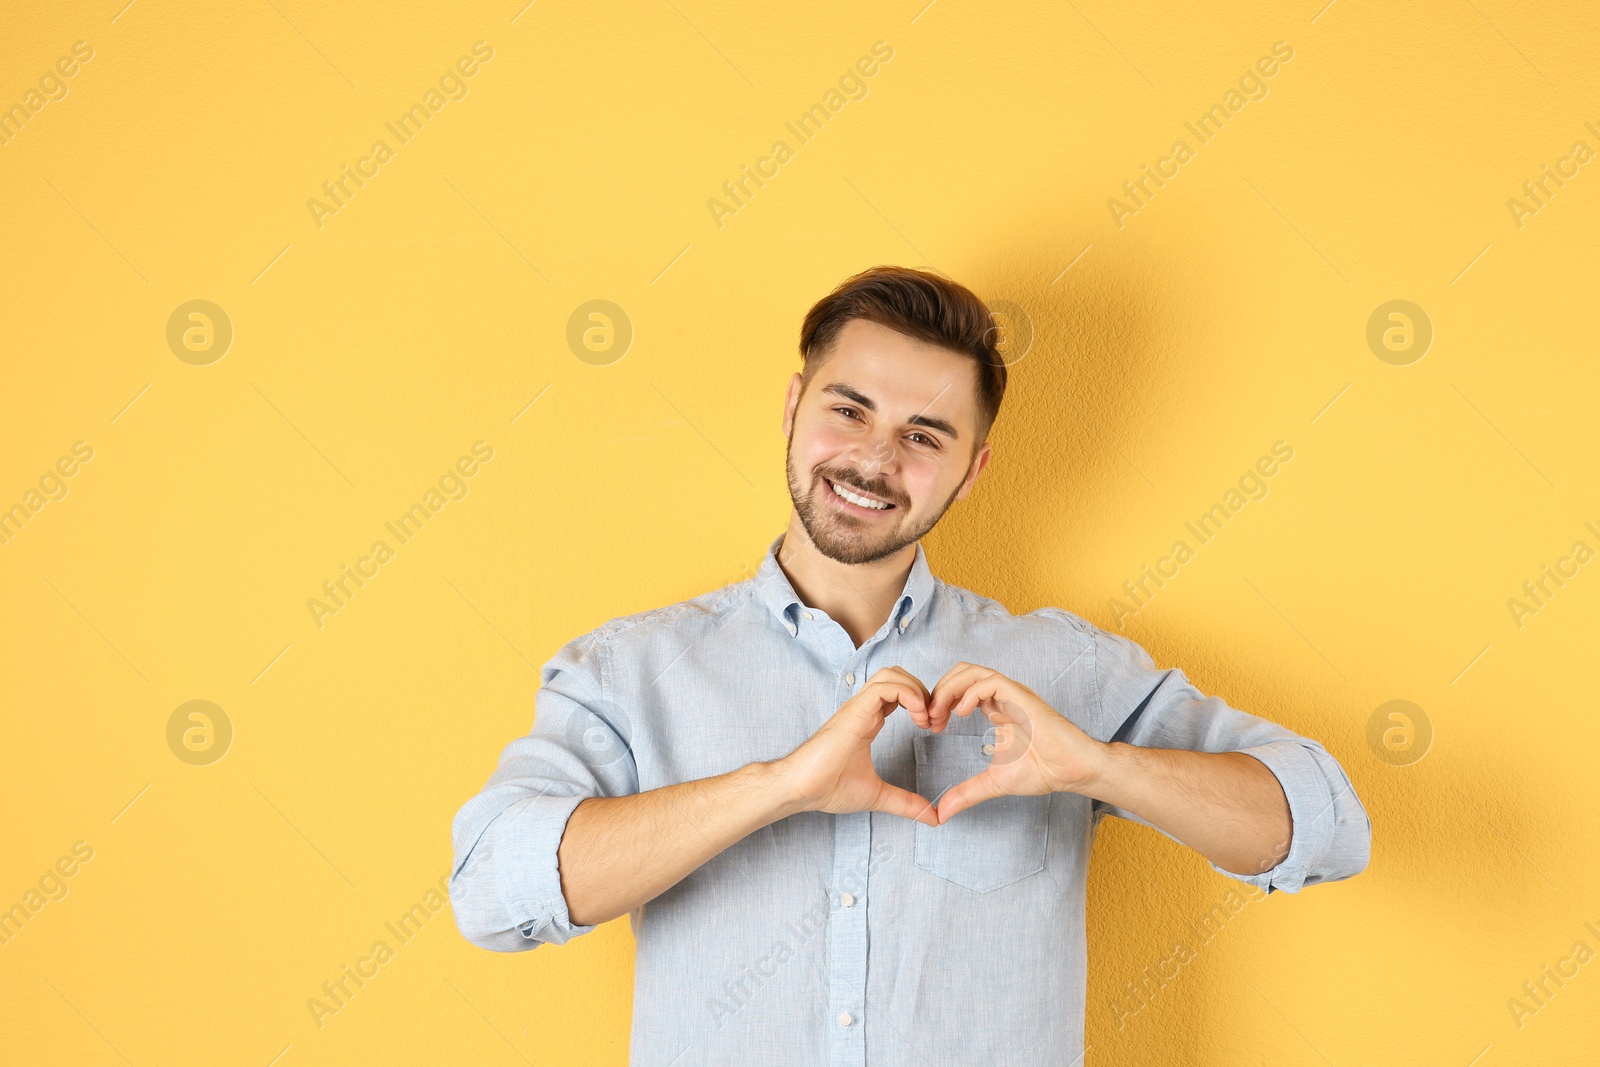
(1225, 805)
(620, 852)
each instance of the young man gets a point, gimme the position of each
(813, 875)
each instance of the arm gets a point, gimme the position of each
(561, 839)
(620, 852)
(1227, 806)
(1262, 804)
(611, 854)
(1189, 766)
(505, 890)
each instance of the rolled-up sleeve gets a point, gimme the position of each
(505, 886)
(1158, 708)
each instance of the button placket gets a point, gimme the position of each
(847, 940)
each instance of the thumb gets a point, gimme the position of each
(896, 801)
(963, 795)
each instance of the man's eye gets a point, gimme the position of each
(926, 439)
(845, 410)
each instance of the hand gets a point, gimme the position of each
(1036, 749)
(833, 771)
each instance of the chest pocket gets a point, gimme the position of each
(989, 845)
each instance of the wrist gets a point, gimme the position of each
(1110, 769)
(776, 785)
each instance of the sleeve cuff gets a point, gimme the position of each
(1311, 808)
(526, 838)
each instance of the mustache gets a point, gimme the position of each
(850, 481)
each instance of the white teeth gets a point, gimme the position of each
(860, 501)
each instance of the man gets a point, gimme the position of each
(812, 876)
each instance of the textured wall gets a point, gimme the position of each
(362, 338)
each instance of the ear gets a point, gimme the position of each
(791, 401)
(980, 461)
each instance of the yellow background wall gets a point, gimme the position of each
(372, 346)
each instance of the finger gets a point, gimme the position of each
(918, 709)
(899, 673)
(897, 801)
(965, 692)
(968, 691)
(891, 693)
(959, 669)
(905, 679)
(1001, 698)
(1005, 703)
(920, 717)
(944, 679)
(963, 795)
(955, 681)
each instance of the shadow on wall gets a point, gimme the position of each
(1079, 406)
(1065, 456)
(1063, 450)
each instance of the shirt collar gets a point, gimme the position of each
(775, 590)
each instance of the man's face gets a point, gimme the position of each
(887, 417)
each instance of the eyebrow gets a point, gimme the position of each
(861, 400)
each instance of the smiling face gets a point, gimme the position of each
(881, 442)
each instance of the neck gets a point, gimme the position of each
(857, 596)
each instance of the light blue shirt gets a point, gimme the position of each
(866, 939)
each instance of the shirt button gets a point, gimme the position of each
(905, 622)
(845, 1019)
(847, 900)
(988, 750)
(850, 679)
(807, 614)
(790, 625)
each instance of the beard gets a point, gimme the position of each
(841, 537)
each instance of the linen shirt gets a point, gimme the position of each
(862, 939)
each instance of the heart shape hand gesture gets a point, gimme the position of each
(1036, 749)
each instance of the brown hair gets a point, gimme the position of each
(919, 304)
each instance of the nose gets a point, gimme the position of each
(877, 456)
